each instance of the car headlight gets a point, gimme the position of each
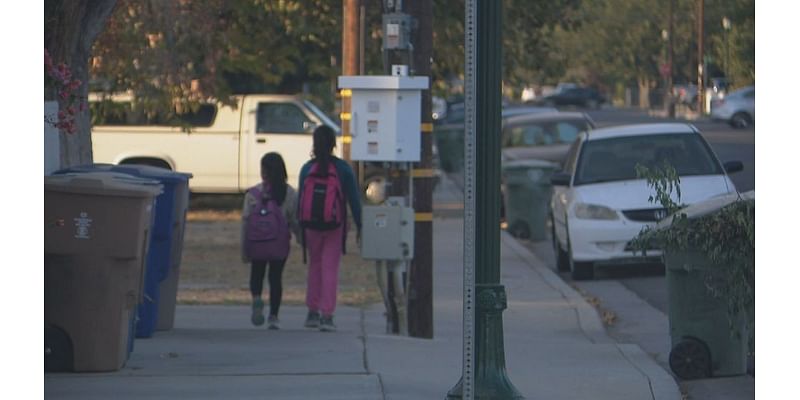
(593, 211)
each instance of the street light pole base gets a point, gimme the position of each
(491, 381)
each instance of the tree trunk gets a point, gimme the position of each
(644, 93)
(71, 27)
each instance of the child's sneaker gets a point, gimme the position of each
(258, 312)
(326, 324)
(273, 322)
(312, 320)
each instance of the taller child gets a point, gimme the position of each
(326, 185)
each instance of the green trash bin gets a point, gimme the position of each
(527, 192)
(450, 146)
(705, 341)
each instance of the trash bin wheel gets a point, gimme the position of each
(690, 359)
(519, 229)
(57, 350)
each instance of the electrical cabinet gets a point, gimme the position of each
(385, 117)
(387, 233)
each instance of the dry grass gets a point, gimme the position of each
(212, 271)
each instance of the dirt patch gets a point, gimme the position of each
(212, 271)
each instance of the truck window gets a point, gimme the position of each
(281, 118)
(124, 114)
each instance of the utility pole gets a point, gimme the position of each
(484, 370)
(701, 87)
(420, 275)
(671, 27)
(350, 64)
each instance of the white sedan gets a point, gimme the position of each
(599, 204)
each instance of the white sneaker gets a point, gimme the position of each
(273, 322)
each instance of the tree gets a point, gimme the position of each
(171, 54)
(70, 29)
(527, 45)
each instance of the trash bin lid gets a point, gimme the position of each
(709, 206)
(148, 171)
(103, 183)
(529, 163)
(145, 171)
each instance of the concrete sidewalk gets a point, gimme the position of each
(555, 346)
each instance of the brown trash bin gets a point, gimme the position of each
(96, 231)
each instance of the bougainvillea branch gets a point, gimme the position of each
(59, 78)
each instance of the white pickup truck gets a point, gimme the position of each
(224, 145)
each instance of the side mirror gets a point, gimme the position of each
(733, 166)
(560, 179)
(309, 126)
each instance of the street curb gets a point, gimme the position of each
(588, 319)
(662, 384)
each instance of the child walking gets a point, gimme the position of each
(268, 218)
(326, 185)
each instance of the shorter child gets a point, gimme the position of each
(268, 218)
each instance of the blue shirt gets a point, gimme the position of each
(347, 179)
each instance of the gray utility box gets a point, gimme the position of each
(388, 233)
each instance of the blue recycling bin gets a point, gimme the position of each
(166, 219)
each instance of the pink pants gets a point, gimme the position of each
(324, 254)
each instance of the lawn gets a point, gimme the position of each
(212, 271)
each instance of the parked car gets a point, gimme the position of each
(543, 136)
(598, 203)
(737, 108)
(575, 96)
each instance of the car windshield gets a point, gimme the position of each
(543, 133)
(615, 159)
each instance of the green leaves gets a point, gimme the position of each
(726, 238)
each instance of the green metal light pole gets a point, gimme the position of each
(487, 379)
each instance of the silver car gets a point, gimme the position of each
(737, 108)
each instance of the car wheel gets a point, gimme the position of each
(562, 258)
(740, 120)
(580, 270)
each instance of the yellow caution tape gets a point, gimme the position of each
(345, 116)
(426, 127)
(346, 92)
(347, 139)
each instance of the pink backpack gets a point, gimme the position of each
(267, 232)
(322, 200)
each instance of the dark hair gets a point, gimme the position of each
(273, 171)
(324, 142)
